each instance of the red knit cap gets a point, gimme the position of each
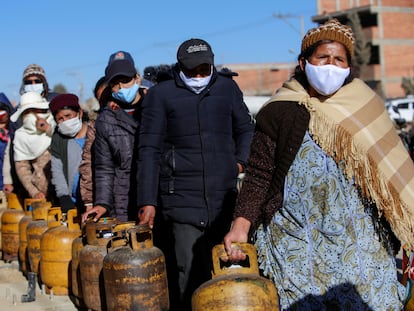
(64, 101)
(331, 30)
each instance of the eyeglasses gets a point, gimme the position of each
(36, 81)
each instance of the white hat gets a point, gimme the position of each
(29, 100)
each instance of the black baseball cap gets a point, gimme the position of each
(120, 67)
(195, 52)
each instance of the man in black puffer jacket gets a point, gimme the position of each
(194, 139)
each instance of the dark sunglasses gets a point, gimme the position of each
(120, 79)
(37, 81)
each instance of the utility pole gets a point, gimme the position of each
(285, 17)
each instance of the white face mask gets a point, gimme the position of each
(70, 127)
(38, 88)
(197, 85)
(326, 79)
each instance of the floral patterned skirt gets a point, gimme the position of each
(321, 248)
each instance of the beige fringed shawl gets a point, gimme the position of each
(354, 126)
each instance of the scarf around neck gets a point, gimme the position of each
(353, 126)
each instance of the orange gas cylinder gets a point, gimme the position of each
(91, 259)
(134, 273)
(56, 252)
(34, 231)
(236, 288)
(10, 219)
(23, 255)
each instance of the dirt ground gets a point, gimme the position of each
(13, 284)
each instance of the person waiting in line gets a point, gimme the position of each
(86, 166)
(116, 126)
(34, 80)
(31, 145)
(6, 135)
(328, 186)
(193, 142)
(66, 148)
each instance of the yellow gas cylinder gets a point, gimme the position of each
(23, 255)
(134, 273)
(3, 207)
(56, 252)
(10, 219)
(13, 201)
(98, 234)
(236, 287)
(34, 231)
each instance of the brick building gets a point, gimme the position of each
(388, 28)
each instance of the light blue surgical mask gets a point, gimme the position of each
(126, 95)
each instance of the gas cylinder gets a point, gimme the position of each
(134, 273)
(34, 231)
(10, 228)
(90, 262)
(23, 255)
(77, 246)
(3, 207)
(13, 201)
(56, 252)
(236, 287)
(3, 200)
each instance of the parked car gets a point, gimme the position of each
(401, 108)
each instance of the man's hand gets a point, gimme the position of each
(146, 215)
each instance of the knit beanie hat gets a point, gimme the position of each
(331, 30)
(34, 70)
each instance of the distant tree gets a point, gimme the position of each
(362, 51)
(407, 85)
(59, 88)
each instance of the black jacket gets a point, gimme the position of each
(113, 153)
(189, 148)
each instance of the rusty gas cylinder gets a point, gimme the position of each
(135, 274)
(236, 287)
(56, 252)
(98, 234)
(77, 246)
(10, 219)
(34, 232)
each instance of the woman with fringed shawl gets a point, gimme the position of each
(329, 188)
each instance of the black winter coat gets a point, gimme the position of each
(113, 165)
(189, 148)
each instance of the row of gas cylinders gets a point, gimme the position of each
(111, 265)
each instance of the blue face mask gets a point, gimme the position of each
(126, 95)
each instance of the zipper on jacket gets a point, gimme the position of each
(171, 181)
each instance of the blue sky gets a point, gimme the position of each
(72, 40)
